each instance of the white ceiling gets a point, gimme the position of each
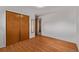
(43, 10)
(37, 10)
(48, 9)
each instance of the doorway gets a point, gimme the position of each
(37, 25)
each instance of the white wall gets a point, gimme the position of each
(77, 24)
(3, 22)
(2, 28)
(60, 24)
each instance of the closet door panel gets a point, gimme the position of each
(12, 30)
(24, 27)
(16, 26)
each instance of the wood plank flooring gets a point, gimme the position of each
(41, 44)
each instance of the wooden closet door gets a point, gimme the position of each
(24, 27)
(12, 28)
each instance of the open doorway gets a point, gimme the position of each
(37, 25)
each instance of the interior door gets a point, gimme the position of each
(12, 27)
(24, 27)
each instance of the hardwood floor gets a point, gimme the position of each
(41, 44)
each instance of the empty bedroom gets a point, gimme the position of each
(39, 29)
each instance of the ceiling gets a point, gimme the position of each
(43, 10)
(49, 9)
(39, 10)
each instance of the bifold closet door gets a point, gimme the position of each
(12, 27)
(17, 27)
(24, 27)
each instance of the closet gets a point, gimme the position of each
(17, 27)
